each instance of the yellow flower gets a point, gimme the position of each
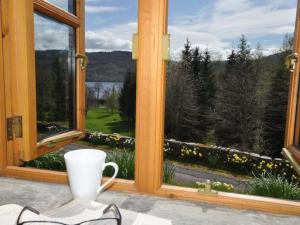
(195, 153)
(270, 165)
(200, 154)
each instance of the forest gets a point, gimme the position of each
(238, 103)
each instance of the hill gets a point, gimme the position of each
(109, 66)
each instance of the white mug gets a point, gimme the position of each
(85, 168)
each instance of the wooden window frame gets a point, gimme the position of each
(150, 107)
(291, 148)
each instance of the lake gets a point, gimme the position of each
(105, 86)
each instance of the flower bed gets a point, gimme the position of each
(213, 156)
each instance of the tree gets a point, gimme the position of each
(207, 93)
(112, 100)
(276, 105)
(89, 98)
(236, 100)
(60, 93)
(97, 89)
(127, 98)
(181, 120)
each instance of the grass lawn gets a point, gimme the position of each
(101, 119)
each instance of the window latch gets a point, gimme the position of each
(291, 61)
(84, 60)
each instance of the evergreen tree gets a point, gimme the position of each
(236, 100)
(276, 104)
(186, 60)
(205, 89)
(60, 94)
(181, 120)
(127, 98)
(196, 64)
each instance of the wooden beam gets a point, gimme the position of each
(57, 13)
(293, 90)
(233, 200)
(80, 73)
(3, 29)
(152, 17)
(60, 177)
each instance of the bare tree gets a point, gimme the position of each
(98, 88)
(90, 98)
(112, 100)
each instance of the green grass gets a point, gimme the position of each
(274, 186)
(102, 120)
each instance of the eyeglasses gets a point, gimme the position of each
(111, 220)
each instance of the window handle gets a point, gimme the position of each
(84, 60)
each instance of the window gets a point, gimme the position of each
(20, 98)
(227, 94)
(55, 77)
(50, 82)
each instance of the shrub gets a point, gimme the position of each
(229, 159)
(125, 161)
(50, 161)
(274, 186)
(169, 172)
(218, 186)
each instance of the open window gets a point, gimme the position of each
(49, 109)
(292, 137)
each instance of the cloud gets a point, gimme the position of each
(227, 20)
(102, 9)
(111, 39)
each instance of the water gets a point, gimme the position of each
(105, 86)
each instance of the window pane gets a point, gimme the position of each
(55, 76)
(227, 93)
(68, 5)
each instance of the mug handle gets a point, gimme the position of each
(115, 166)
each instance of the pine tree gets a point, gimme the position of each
(181, 120)
(236, 100)
(127, 98)
(196, 64)
(186, 60)
(60, 94)
(276, 104)
(205, 89)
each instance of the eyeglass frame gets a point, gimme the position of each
(116, 211)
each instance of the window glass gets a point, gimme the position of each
(68, 5)
(55, 76)
(227, 94)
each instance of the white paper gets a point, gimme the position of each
(75, 212)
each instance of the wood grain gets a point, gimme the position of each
(152, 17)
(57, 13)
(80, 73)
(293, 90)
(2, 91)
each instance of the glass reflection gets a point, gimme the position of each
(55, 76)
(68, 5)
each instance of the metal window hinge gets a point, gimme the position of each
(166, 47)
(291, 60)
(135, 38)
(14, 127)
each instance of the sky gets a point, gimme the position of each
(213, 24)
